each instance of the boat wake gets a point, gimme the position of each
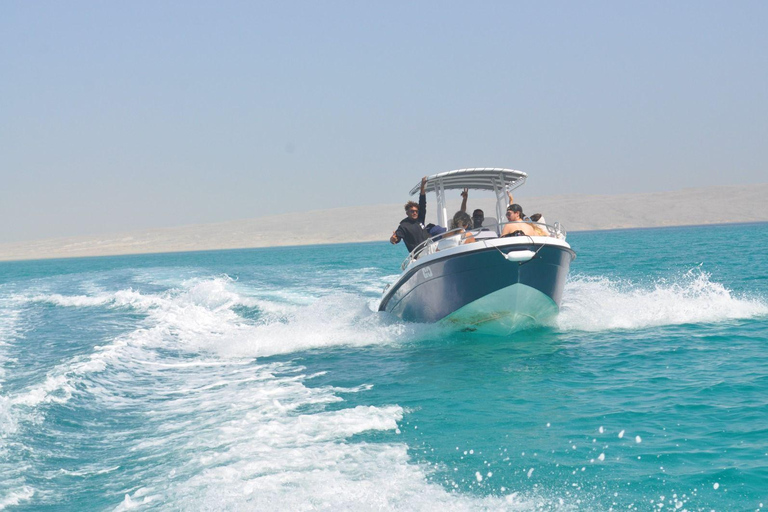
(225, 431)
(214, 317)
(599, 303)
(222, 316)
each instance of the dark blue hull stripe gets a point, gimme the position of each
(431, 292)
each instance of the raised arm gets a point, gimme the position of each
(423, 201)
(464, 195)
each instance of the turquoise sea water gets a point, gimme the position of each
(265, 380)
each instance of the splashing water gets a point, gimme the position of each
(599, 303)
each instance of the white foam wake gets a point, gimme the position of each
(201, 317)
(17, 497)
(276, 447)
(225, 432)
(204, 318)
(598, 303)
(9, 326)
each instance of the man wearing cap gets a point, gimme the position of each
(411, 229)
(516, 223)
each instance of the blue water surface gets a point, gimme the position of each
(265, 379)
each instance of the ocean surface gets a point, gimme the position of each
(265, 379)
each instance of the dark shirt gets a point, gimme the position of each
(412, 231)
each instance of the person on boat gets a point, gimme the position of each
(478, 216)
(463, 222)
(411, 229)
(460, 224)
(455, 219)
(516, 222)
(539, 224)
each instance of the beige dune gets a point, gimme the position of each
(576, 212)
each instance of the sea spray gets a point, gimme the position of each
(595, 303)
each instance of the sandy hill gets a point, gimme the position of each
(577, 212)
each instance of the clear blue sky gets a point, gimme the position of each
(126, 115)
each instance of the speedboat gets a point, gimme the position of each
(475, 279)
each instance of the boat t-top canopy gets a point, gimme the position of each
(481, 178)
(499, 180)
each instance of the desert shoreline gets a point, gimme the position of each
(326, 244)
(736, 205)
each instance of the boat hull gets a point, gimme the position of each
(479, 288)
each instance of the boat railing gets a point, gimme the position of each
(458, 236)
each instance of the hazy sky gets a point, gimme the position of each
(126, 115)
